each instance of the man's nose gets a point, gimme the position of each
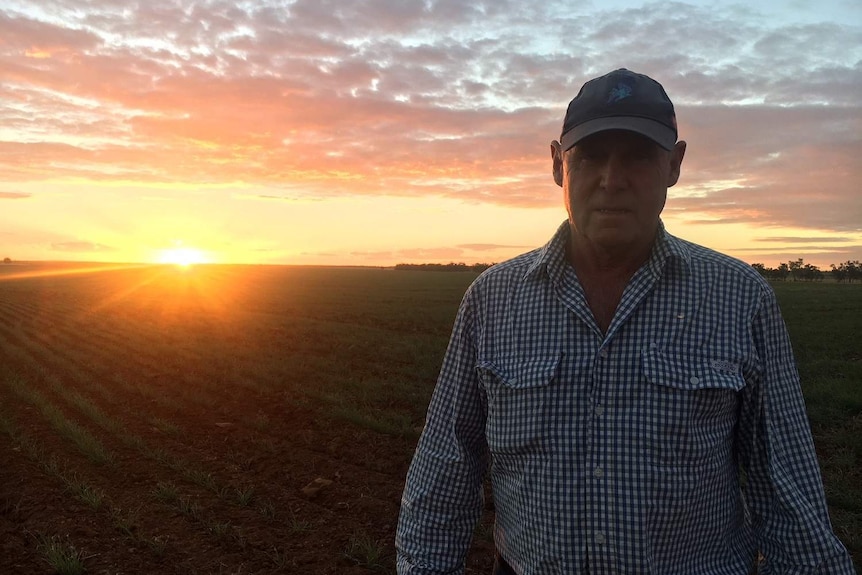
(614, 173)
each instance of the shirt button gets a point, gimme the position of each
(694, 380)
(599, 471)
(600, 409)
(604, 353)
(600, 538)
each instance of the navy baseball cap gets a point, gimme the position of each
(621, 100)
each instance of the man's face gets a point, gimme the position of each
(615, 185)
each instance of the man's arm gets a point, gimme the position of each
(784, 490)
(442, 498)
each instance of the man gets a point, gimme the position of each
(635, 395)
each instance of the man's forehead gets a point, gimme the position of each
(617, 138)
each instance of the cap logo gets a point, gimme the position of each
(621, 92)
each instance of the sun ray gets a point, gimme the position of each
(64, 270)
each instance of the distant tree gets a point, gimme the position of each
(7, 260)
(811, 273)
(853, 270)
(838, 273)
(798, 270)
(777, 274)
(849, 271)
(450, 267)
(795, 268)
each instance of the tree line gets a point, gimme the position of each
(798, 270)
(450, 267)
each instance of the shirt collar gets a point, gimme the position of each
(668, 249)
(551, 258)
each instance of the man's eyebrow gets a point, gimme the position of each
(582, 148)
(570, 154)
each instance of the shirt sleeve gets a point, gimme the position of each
(783, 488)
(442, 498)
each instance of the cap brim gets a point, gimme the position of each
(655, 131)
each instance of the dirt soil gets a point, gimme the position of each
(366, 471)
(203, 476)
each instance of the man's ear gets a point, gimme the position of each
(676, 156)
(557, 159)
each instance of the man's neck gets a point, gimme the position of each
(603, 275)
(591, 260)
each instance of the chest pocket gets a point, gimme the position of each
(520, 396)
(690, 408)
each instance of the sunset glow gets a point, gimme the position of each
(379, 132)
(182, 256)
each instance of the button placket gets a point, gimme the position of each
(595, 471)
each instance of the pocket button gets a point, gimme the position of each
(600, 538)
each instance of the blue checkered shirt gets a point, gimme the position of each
(676, 443)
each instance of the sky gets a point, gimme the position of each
(377, 132)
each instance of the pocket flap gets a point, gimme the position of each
(691, 373)
(522, 374)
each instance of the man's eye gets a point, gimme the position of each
(589, 155)
(642, 154)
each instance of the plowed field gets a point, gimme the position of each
(254, 419)
(213, 420)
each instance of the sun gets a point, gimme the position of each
(182, 256)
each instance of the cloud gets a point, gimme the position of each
(14, 195)
(440, 254)
(490, 247)
(280, 198)
(436, 98)
(806, 240)
(320, 254)
(80, 247)
(421, 254)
